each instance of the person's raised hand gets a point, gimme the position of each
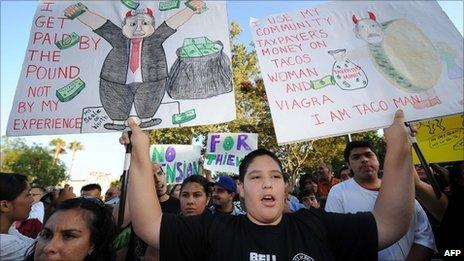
(65, 194)
(397, 134)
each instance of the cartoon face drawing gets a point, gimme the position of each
(368, 29)
(138, 25)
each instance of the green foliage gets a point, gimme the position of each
(115, 183)
(59, 147)
(35, 162)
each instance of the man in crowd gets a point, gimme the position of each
(309, 199)
(326, 179)
(224, 191)
(91, 190)
(345, 173)
(32, 226)
(112, 195)
(137, 248)
(360, 194)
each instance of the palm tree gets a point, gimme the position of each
(59, 146)
(74, 146)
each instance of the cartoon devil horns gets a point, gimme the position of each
(147, 11)
(371, 16)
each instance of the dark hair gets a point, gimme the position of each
(12, 185)
(327, 165)
(200, 180)
(251, 156)
(456, 176)
(91, 186)
(100, 221)
(344, 167)
(307, 193)
(38, 187)
(304, 179)
(357, 144)
(174, 188)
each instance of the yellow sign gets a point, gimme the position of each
(441, 139)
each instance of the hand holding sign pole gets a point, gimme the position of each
(423, 161)
(125, 139)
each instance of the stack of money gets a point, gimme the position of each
(68, 41)
(173, 4)
(71, 90)
(130, 4)
(184, 116)
(197, 47)
(203, 8)
(81, 9)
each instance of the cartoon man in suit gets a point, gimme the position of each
(135, 71)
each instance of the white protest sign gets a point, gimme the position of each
(225, 151)
(346, 67)
(90, 65)
(177, 161)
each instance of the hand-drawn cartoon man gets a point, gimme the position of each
(134, 72)
(403, 54)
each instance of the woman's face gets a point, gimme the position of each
(176, 192)
(66, 236)
(21, 205)
(193, 199)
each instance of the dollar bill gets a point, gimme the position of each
(190, 51)
(130, 4)
(71, 90)
(203, 8)
(184, 116)
(67, 42)
(168, 5)
(323, 82)
(81, 9)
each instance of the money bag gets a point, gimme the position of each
(347, 75)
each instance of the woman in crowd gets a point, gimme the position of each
(265, 233)
(175, 191)
(195, 193)
(15, 205)
(78, 229)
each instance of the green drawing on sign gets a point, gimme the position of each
(198, 47)
(323, 82)
(71, 90)
(67, 42)
(164, 6)
(81, 9)
(184, 116)
(130, 3)
(203, 9)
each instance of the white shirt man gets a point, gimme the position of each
(359, 195)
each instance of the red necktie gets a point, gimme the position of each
(135, 53)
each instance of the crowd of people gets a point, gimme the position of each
(350, 214)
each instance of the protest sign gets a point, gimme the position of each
(90, 65)
(177, 161)
(441, 139)
(346, 67)
(225, 151)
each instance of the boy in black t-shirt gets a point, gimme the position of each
(265, 233)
